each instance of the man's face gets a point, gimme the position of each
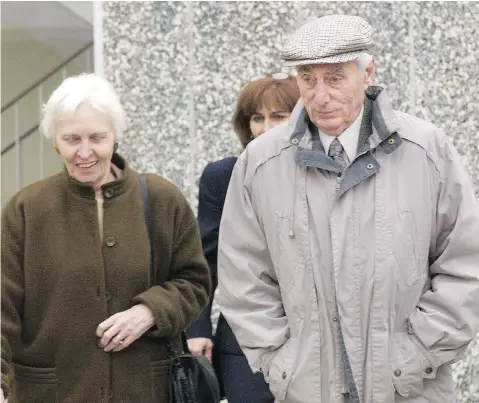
(334, 93)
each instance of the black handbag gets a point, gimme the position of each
(192, 379)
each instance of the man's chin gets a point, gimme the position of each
(330, 130)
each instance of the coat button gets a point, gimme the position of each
(295, 141)
(110, 241)
(428, 370)
(284, 375)
(391, 141)
(107, 295)
(397, 372)
(370, 166)
(335, 318)
(109, 193)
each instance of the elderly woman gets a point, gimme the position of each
(263, 103)
(79, 321)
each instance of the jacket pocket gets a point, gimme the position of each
(160, 380)
(280, 371)
(409, 366)
(35, 384)
(403, 239)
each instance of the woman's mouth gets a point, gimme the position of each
(86, 165)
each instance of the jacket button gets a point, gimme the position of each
(335, 318)
(110, 241)
(397, 372)
(107, 295)
(295, 141)
(428, 370)
(391, 141)
(284, 375)
(370, 166)
(108, 193)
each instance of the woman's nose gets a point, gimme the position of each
(85, 150)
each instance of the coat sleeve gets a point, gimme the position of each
(12, 285)
(210, 206)
(447, 316)
(249, 294)
(178, 301)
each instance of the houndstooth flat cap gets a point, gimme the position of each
(329, 39)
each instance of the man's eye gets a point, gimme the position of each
(335, 79)
(309, 80)
(257, 118)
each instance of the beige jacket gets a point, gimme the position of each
(391, 252)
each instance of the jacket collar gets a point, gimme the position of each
(110, 189)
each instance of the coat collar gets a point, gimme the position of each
(110, 189)
(383, 119)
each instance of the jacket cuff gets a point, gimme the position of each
(410, 366)
(201, 327)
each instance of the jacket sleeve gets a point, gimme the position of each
(210, 206)
(179, 301)
(249, 294)
(12, 285)
(447, 316)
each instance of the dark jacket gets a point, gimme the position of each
(60, 281)
(212, 193)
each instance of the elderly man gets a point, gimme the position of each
(349, 245)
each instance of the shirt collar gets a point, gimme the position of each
(348, 139)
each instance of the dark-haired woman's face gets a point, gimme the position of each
(266, 118)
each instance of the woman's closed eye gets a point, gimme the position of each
(97, 137)
(257, 118)
(279, 115)
(71, 138)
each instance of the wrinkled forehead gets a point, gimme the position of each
(327, 68)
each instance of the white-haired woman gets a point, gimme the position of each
(79, 322)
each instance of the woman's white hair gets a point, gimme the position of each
(84, 88)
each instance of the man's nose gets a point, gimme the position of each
(321, 94)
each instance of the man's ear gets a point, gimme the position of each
(370, 70)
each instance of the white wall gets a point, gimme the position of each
(24, 61)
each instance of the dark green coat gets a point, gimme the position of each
(60, 281)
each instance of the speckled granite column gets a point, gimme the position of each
(427, 59)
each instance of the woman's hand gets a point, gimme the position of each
(201, 346)
(123, 328)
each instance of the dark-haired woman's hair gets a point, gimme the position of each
(269, 92)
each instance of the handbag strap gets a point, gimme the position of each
(149, 225)
(151, 271)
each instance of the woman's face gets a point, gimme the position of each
(267, 118)
(85, 142)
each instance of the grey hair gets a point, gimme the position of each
(363, 60)
(84, 88)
